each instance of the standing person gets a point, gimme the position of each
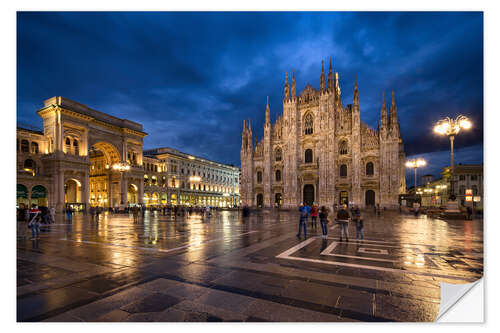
(343, 220)
(304, 210)
(34, 223)
(358, 219)
(323, 219)
(97, 212)
(69, 213)
(314, 215)
(52, 215)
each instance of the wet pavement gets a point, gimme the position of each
(230, 268)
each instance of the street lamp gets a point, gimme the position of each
(451, 127)
(121, 167)
(416, 163)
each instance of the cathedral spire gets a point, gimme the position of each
(322, 78)
(287, 94)
(356, 93)
(383, 113)
(330, 77)
(393, 114)
(268, 113)
(294, 89)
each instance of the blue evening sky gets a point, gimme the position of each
(191, 78)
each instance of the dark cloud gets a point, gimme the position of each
(191, 78)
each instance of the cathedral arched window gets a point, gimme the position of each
(278, 154)
(343, 171)
(308, 124)
(308, 156)
(343, 147)
(259, 177)
(369, 169)
(278, 175)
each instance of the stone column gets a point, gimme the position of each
(86, 191)
(124, 188)
(141, 191)
(60, 207)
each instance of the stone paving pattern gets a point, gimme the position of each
(226, 268)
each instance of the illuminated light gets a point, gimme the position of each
(191, 157)
(468, 198)
(477, 199)
(407, 263)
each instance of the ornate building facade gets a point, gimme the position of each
(74, 162)
(318, 150)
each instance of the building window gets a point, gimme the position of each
(75, 147)
(343, 147)
(473, 177)
(30, 166)
(308, 158)
(343, 171)
(259, 177)
(308, 124)
(474, 189)
(462, 189)
(278, 175)
(369, 169)
(278, 154)
(68, 145)
(34, 148)
(25, 146)
(461, 177)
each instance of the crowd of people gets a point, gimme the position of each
(342, 217)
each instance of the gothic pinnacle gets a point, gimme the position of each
(322, 79)
(268, 114)
(294, 89)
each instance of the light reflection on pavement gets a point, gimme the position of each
(393, 275)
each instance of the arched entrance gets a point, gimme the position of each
(370, 198)
(260, 200)
(155, 199)
(132, 194)
(308, 194)
(22, 196)
(164, 199)
(277, 199)
(344, 198)
(147, 199)
(104, 181)
(173, 199)
(72, 191)
(39, 196)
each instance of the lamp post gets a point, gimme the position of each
(121, 167)
(415, 164)
(451, 127)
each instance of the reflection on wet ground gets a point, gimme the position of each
(226, 267)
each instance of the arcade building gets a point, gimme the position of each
(84, 157)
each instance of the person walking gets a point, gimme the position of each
(304, 210)
(34, 223)
(314, 215)
(358, 219)
(323, 219)
(343, 220)
(69, 213)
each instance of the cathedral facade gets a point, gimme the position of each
(318, 150)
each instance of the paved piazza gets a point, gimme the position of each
(230, 268)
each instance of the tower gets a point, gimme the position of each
(267, 181)
(357, 168)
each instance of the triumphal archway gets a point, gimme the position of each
(93, 158)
